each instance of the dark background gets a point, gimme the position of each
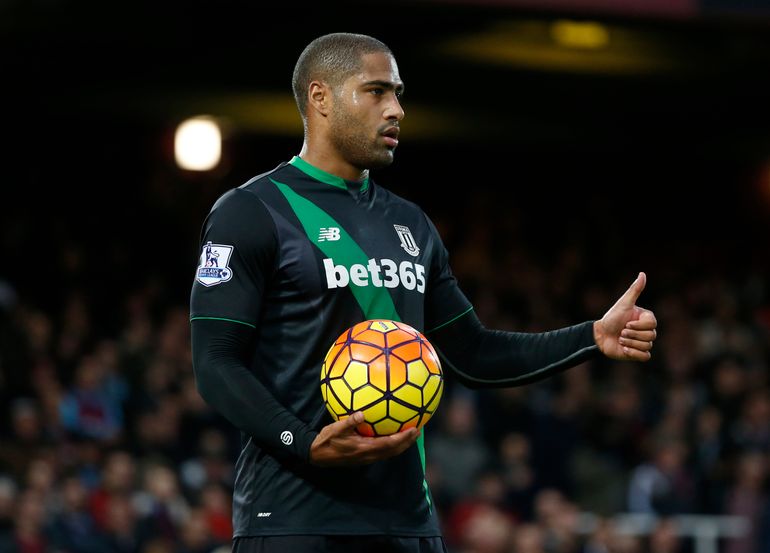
(668, 144)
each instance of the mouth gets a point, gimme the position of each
(390, 135)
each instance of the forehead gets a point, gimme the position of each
(377, 66)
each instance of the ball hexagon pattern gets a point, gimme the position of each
(386, 369)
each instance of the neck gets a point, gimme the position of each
(326, 159)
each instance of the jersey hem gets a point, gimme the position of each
(316, 532)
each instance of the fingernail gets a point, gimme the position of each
(625, 350)
(624, 333)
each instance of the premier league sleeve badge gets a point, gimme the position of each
(213, 266)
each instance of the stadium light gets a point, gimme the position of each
(198, 144)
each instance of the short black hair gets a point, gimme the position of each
(331, 58)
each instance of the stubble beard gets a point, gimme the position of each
(348, 135)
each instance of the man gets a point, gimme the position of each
(290, 239)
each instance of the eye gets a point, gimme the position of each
(379, 91)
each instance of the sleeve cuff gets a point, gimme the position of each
(294, 441)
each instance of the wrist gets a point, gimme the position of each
(305, 446)
(598, 331)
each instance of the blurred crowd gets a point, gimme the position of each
(106, 446)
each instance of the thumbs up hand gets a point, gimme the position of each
(627, 331)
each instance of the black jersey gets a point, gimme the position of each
(300, 255)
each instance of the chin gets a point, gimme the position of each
(371, 158)
(382, 161)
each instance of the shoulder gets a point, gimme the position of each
(264, 181)
(243, 212)
(391, 198)
(413, 212)
(237, 206)
(249, 197)
(408, 212)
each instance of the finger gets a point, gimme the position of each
(636, 355)
(643, 335)
(396, 441)
(633, 292)
(648, 317)
(347, 425)
(389, 446)
(641, 345)
(410, 436)
(646, 321)
(403, 438)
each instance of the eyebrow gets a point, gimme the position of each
(399, 88)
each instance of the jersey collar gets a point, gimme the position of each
(328, 178)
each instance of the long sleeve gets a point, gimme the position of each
(221, 350)
(484, 358)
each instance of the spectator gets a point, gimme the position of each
(518, 474)
(664, 538)
(752, 429)
(487, 530)
(27, 438)
(663, 485)
(160, 504)
(558, 519)
(457, 451)
(29, 536)
(122, 532)
(195, 534)
(118, 480)
(73, 528)
(93, 406)
(748, 498)
(217, 512)
(528, 538)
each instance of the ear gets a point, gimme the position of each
(319, 97)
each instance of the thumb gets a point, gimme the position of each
(635, 290)
(348, 424)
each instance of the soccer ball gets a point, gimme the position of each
(388, 371)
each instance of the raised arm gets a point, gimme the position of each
(481, 357)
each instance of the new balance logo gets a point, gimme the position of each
(331, 234)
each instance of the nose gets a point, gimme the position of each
(394, 111)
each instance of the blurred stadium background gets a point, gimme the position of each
(560, 146)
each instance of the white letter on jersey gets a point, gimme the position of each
(336, 275)
(391, 276)
(407, 274)
(374, 271)
(420, 270)
(358, 275)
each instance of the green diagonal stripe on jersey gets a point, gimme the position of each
(375, 302)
